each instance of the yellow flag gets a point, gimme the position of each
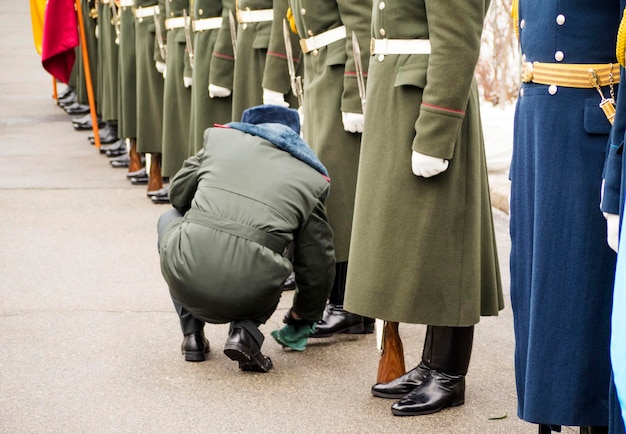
(37, 9)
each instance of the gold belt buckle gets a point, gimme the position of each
(527, 72)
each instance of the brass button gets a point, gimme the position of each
(382, 32)
(200, 12)
(309, 32)
(140, 20)
(552, 89)
(560, 19)
(315, 52)
(381, 5)
(302, 11)
(244, 26)
(558, 56)
(381, 57)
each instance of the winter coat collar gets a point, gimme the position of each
(283, 138)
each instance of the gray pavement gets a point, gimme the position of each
(89, 341)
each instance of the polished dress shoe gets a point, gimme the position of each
(437, 392)
(65, 93)
(83, 123)
(68, 100)
(241, 348)
(402, 385)
(160, 198)
(337, 320)
(138, 173)
(107, 135)
(120, 161)
(76, 109)
(159, 192)
(290, 283)
(195, 347)
(115, 146)
(140, 179)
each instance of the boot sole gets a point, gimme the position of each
(194, 356)
(456, 403)
(357, 329)
(246, 362)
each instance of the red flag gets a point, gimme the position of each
(60, 37)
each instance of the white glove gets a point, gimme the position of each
(301, 114)
(612, 230)
(427, 166)
(187, 81)
(218, 91)
(160, 66)
(273, 97)
(353, 122)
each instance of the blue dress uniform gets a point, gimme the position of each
(561, 266)
(613, 198)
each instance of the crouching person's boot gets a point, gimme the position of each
(447, 352)
(336, 319)
(244, 346)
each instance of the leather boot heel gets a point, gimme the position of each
(355, 329)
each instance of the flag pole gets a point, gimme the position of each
(92, 102)
(55, 95)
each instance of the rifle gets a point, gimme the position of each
(391, 363)
(358, 66)
(159, 35)
(233, 32)
(296, 81)
(188, 37)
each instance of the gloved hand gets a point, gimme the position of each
(427, 166)
(295, 334)
(612, 230)
(187, 81)
(353, 122)
(216, 91)
(274, 98)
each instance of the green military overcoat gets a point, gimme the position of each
(176, 97)
(89, 20)
(423, 249)
(205, 111)
(252, 42)
(149, 81)
(109, 76)
(330, 88)
(127, 97)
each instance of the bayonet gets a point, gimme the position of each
(188, 37)
(296, 81)
(233, 32)
(358, 66)
(159, 35)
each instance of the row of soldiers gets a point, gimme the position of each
(164, 71)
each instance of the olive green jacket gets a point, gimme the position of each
(244, 199)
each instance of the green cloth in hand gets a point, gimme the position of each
(294, 337)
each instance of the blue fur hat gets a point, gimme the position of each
(272, 114)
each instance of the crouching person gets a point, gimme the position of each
(254, 188)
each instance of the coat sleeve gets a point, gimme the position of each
(612, 192)
(314, 265)
(184, 184)
(455, 30)
(357, 17)
(276, 73)
(222, 67)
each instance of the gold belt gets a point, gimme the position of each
(570, 74)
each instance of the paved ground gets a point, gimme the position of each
(89, 341)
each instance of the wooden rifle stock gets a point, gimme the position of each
(391, 363)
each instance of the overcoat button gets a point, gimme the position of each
(552, 89)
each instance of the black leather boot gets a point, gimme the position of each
(336, 319)
(401, 386)
(195, 347)
(447, 352)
